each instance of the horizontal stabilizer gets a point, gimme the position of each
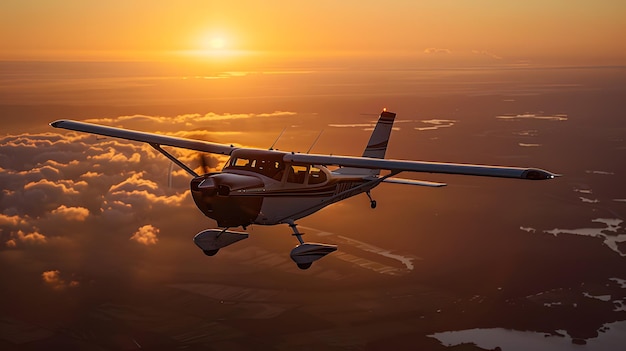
(414, 182)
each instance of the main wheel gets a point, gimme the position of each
(304, 265)
(210, 252)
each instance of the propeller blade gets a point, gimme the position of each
(203, 163)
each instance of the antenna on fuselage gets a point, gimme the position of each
(315, 141)
(275, 141)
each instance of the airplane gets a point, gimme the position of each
(270, 187)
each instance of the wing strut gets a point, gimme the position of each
(158, 148)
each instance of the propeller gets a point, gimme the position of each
(203, 163)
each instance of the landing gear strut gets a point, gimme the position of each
(296, 233)
(372, 202)
(306, 253)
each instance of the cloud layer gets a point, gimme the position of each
(75, 199)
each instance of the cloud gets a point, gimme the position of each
(9, 220)
(16, 230)
(37, 198)
(64, 187)
(31, 238)
(135, 182)
(146, 235)
(54, 280)
(486, 53)
(435, 124)
(65, 193)
(144, 200)
(187, 119)
(556, 117)
(113, 155)
(72, 213)
(430, 51)
(51, 277)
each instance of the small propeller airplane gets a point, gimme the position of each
(269, 187)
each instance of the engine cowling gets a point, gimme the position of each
(217, 196)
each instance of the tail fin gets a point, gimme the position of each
(377, 145)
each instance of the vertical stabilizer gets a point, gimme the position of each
(377, 145)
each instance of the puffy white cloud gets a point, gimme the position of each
(12, 221)
(135, 182)
(31, 238)
(146, 235)
(71, 213)
(143, 201)
(53, 279)
(112, 155)
(64, 187)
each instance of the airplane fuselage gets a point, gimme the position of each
(257, 187)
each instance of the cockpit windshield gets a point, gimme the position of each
(272, 167)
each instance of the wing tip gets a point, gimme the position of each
(538, 174)
(57, 124)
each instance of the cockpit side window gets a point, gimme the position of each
(297, 174)
(316, 176)
(273, 169)
(240, 162)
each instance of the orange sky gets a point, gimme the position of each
(566, 31)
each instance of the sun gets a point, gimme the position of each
(217, 43)
(214, 45)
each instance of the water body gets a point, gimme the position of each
(612, 339)
(613, 225)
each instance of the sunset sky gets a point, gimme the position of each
(96, 247)
(568, 31)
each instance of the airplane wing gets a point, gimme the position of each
(150, 138)
(343, 161)
(420, 166)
